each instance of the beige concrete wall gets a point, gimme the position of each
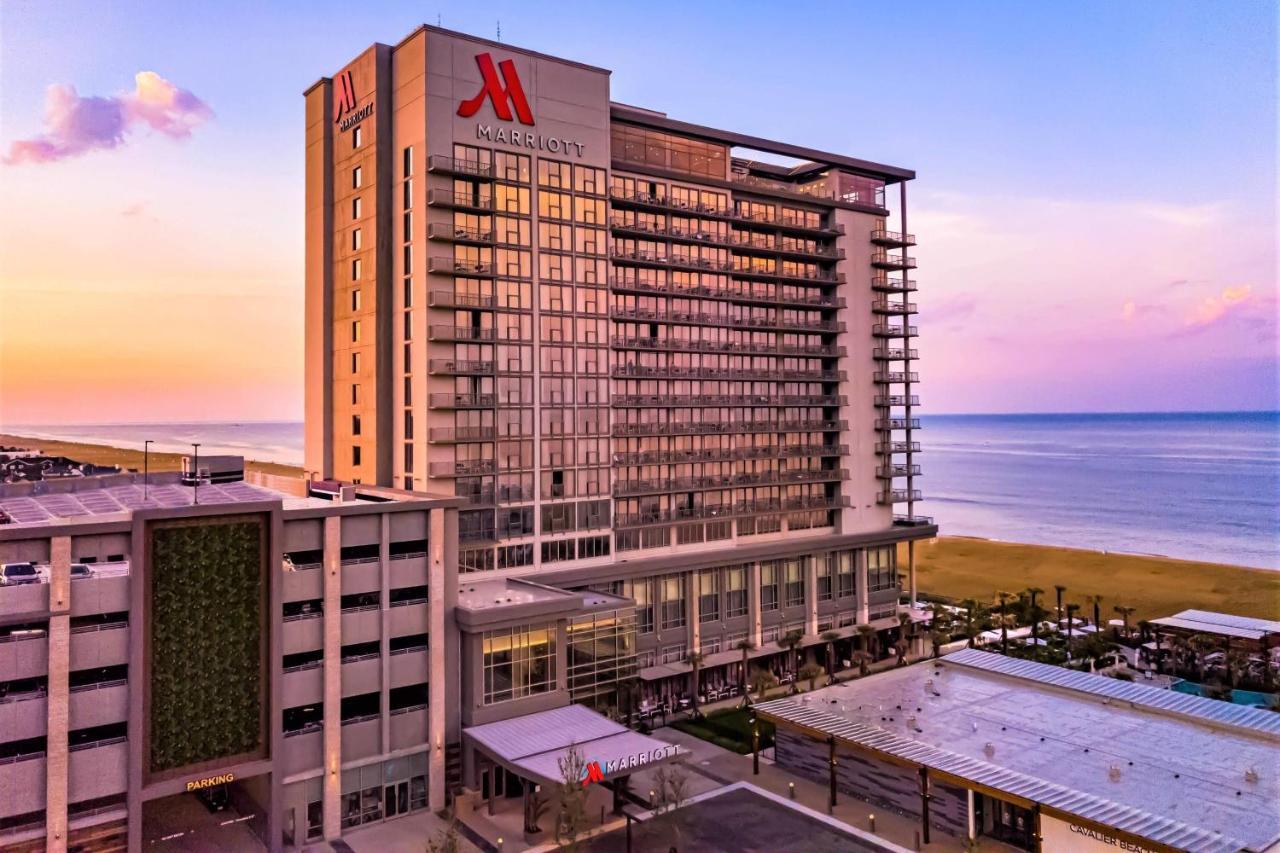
(332, 677)
(317, 275)
(57, 757)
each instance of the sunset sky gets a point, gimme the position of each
(1095, 199)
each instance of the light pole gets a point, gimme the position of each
(195, 469)
(146, 466)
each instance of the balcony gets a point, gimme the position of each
(884, 305)
(897, 496)
(703, 400)
(677, 345)
(679, 514)
(638, 371)
(886, 261)
(462, 333)
(891, 377)
(444, 165)
(817, 277)
(884, 424)
(475, 497)
(459, 234)
(819, 300)
(449, 435)
(464, 468)
(476, 534)
(624, 488)
(459, 266)
(722, 320)
(895, 239)
(449, 299)
(676, 457)
(888, 472)
(449, 367)
(912, 521)
(733, 427)
(893, 353)
(645, 201)
(884, 401)
(893, 331)
(890, 447)
(884, 284)
(460, 201)
(462, 401)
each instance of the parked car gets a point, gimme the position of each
(80, 570)
(16, 573)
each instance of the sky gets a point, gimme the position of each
(1095, 197)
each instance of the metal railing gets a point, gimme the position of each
(459, 266)
(458, 166)
(896, 238)
(749, 348)
(703, 400)
(640, 371)
(710, 427)
(700, 318)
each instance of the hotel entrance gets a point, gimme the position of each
(225, 816)
(1004, 822)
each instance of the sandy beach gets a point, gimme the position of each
(956, 567)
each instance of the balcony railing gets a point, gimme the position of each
(678, 345)
(444, 435)
(897, 496)
(887, 330)
(716, 427)
(703, 400)
(449, 299)
(699, 318)
(624, 371)
(459, 233)
(885, 424)
(888, 472)
(449, 367)
(805, 300)
(455, 166)
(775, 220)
(886, 400)
(884, 284)
(889, 261)
(459, 266)
(465, 201)
(715, 454)
(678, 514)
(888, 306)
(892, 238)
(893, 353)
(462, 333)
(913, 521)
(891, 377)
(463, 401)
(890, 447)
(728, 481)
(464, 468)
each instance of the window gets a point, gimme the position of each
(356, 240)
(519, 661)
(355, 362)
(846, 577)
(593, 546)
(735, 586)
(357, 178)
(710, 646)
(795, 583)
(882, 572)
(406, 162)
(357, 267)
(355, 454)
(674, 654)
(355, 299)
(355, 331)
(356, 208)
(709, 595)
(642, 592)
(558, 550)
(672, 593)
(824, 569)
(357, 136)
(355, 395)
(768, 586)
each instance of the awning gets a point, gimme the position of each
(532, 746)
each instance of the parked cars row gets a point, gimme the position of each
(12, 574)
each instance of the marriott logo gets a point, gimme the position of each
(506, 93)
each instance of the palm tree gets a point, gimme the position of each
(1144, 630)
(694, 659)
(790, 641)
(937, 637)
(901, 646)
(762, 680)
(745, 646)
(1201, 645)
(972, 620)
(865, 633)
(1125, 613)
(1003, 597)
(1035, 615)
(810, 672)
(1159, 652)
(1059, 589)
(1072, 609)
(862, 657)
(1096, 601)
(831, 637)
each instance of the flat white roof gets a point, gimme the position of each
(1129, 756)
(1225, 624)
(120, 501)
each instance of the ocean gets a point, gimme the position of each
(1197, 486)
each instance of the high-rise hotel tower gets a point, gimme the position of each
(657, 359)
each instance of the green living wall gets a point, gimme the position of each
(206, 634)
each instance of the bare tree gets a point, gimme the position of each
(445, 841)
(572, 820)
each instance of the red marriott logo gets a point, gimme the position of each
(592, 773)
(344, 96)
(505, 93)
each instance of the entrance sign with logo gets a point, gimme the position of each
(210, 781)
(345, 114)
(1059, 835)
(505, 93)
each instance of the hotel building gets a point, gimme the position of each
(653, 359)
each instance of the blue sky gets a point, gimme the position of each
(1096, 180)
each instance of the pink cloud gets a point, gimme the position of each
(1212, 309)
(76, 125)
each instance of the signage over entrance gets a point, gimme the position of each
(505, 94)
(345, 114)
(210, 781)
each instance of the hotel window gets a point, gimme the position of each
(674, 654)
(355, 395)
(709, 595)
(593, 546)
(735, 588)
(408, 458)
(558, 551)
(355, 423)
(356, 241)
(406, 162)
(824, 578)
(770, 634)
(646, 659)
(881, 571)
(554, 174)
(355, 331)
(355, 362)
(355, 455)
(355, 299)
(710, 647)
(518, 662)
(795, 583)
(641, 591)
(356, 208)
(845, 573)
(357, 178)
(357, 136)
(768, 586)
(356, 269)
(672, 602)
(587, 179)
(407, 199)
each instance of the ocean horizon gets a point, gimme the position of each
(1188, 485)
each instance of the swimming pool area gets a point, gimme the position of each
(1238, 697)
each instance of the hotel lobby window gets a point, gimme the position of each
(519, 662)
(735, 592)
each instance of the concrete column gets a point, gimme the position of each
(754, 632)
(695, 625)
(437, 698)
(57, 758)
(911, 571)
(811, 595)
(384, 605)
(973, 829)
(332, 802)
(862, 596)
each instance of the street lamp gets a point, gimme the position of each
(146, 466)
(195, 469)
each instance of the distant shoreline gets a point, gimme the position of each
(126, 457)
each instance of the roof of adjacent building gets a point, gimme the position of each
(1198, 775)
(1223, 624)
(87, 504)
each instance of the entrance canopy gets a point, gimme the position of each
(532, 746)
